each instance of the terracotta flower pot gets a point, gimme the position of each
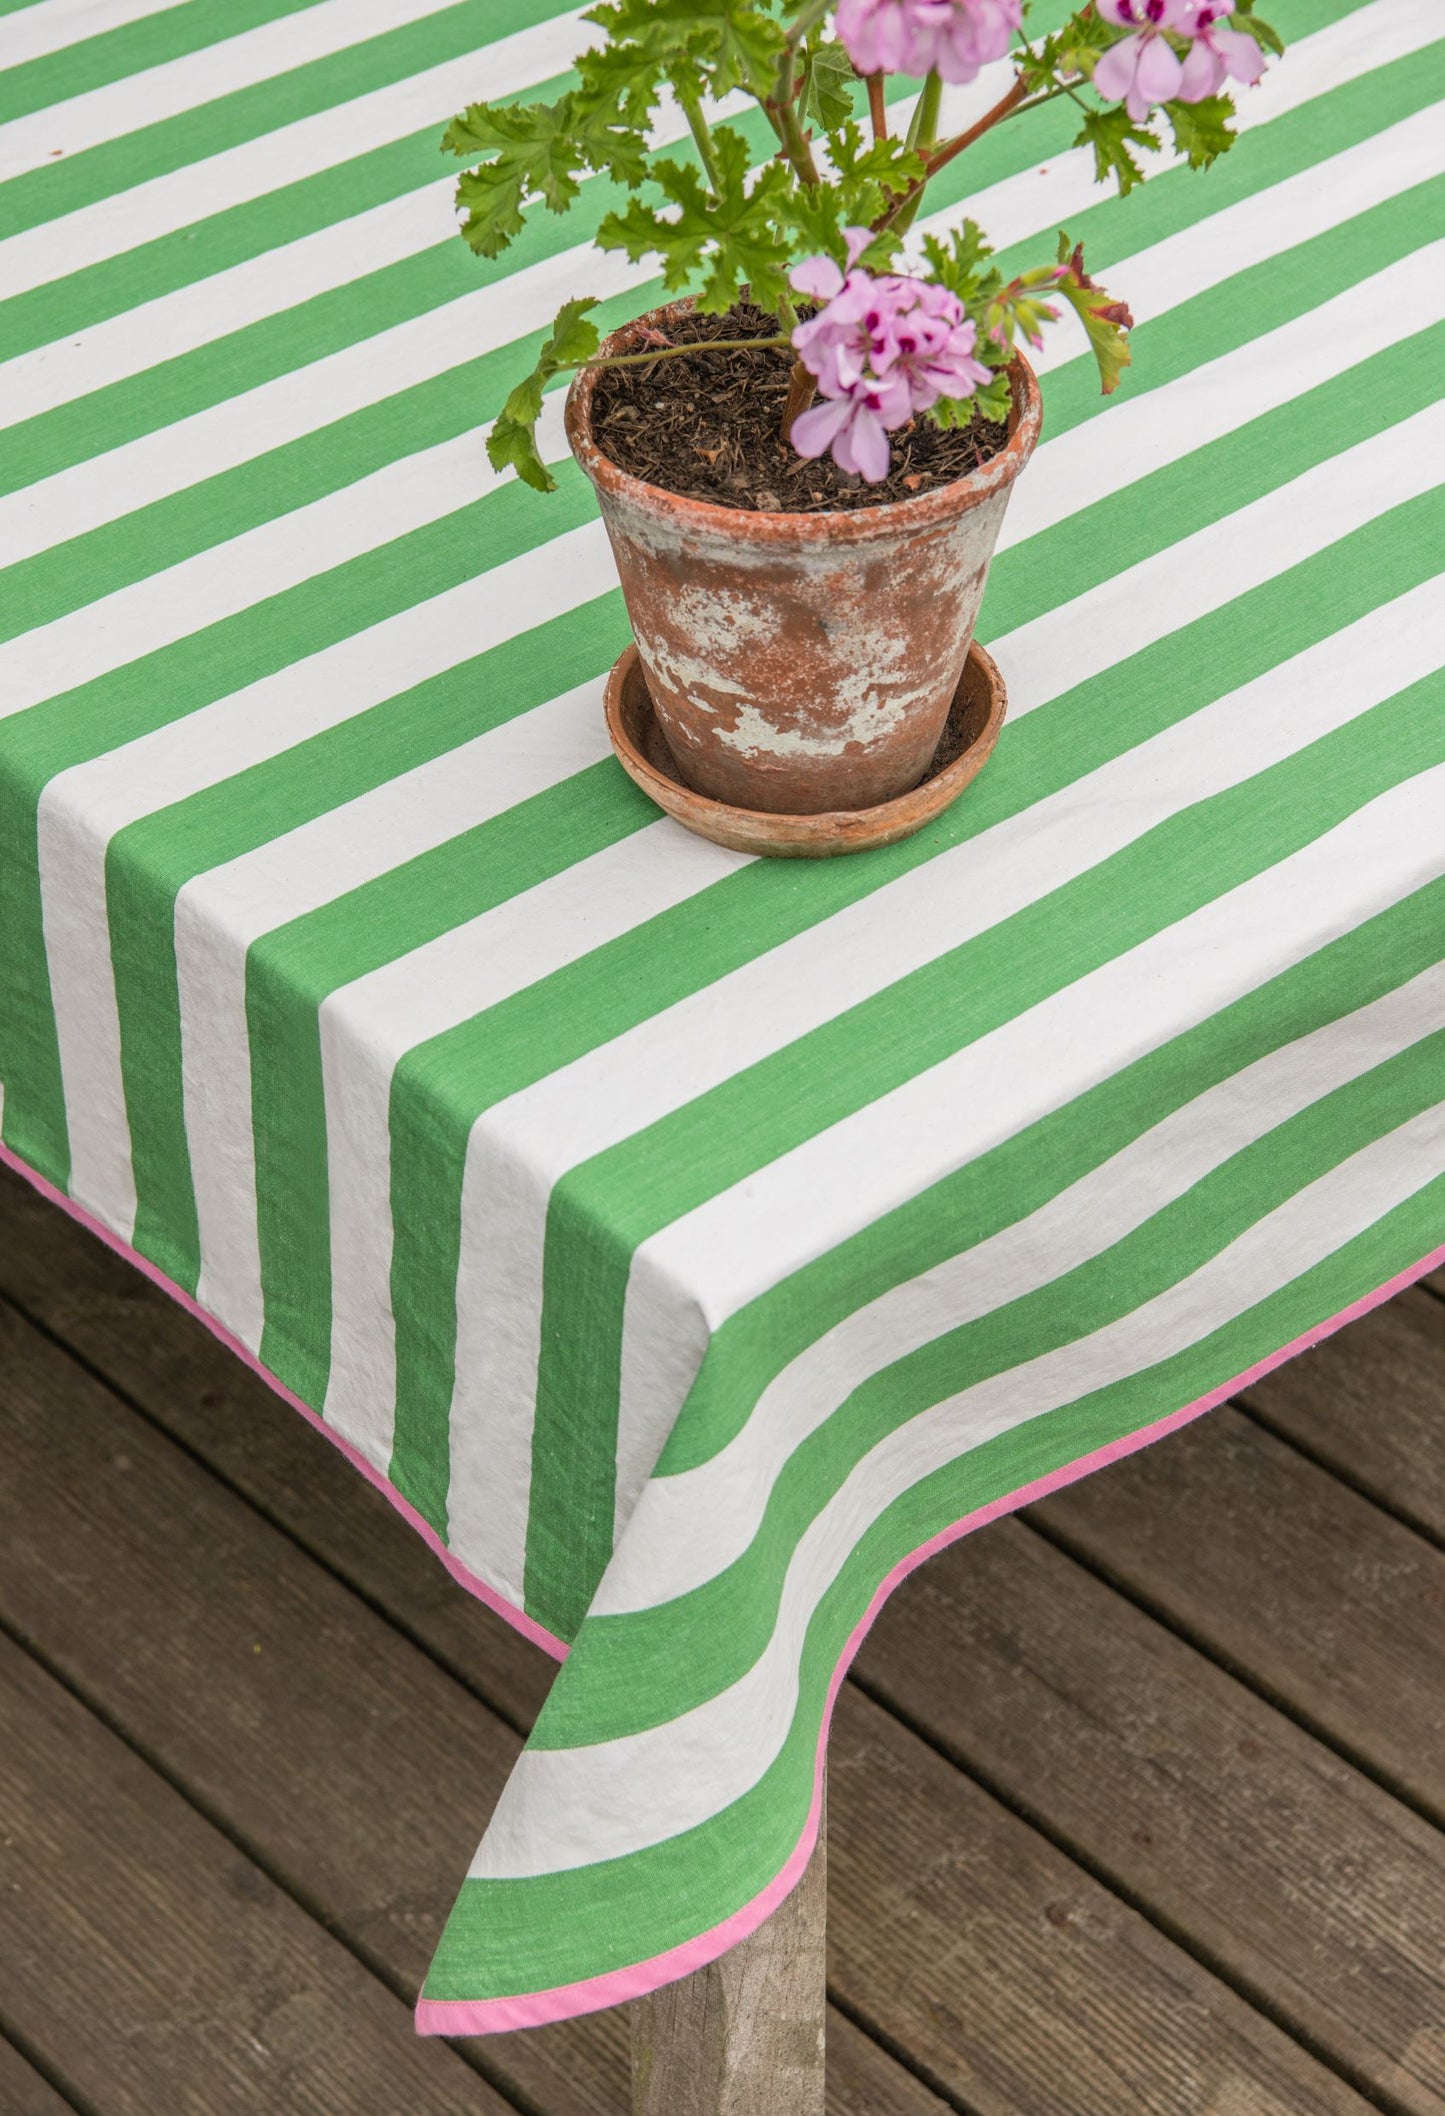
(802, 662)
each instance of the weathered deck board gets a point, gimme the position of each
(1011, 1974)
(1307, 1885)
(1369, 1404)
(22, 2090)
(355, 1769)
(386, 1764)
(142, 1949)
(1282, 1572)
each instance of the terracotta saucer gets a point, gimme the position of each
(974, 720)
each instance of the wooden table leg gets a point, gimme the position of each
(745, 2036)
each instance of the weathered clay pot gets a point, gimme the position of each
(801, 662)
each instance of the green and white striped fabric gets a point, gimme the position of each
(688, 1242)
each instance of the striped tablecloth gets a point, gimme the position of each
(689, 1243)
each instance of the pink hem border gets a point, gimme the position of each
(517, 1618)
(537, 2009)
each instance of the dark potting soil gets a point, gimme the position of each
(708, 427)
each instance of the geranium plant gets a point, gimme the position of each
(815, 234)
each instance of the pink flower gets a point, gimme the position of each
(882, 349)
(1216, 53)
(1142, 70)
(958, 38)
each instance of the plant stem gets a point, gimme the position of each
(794, 139)
(670, 352)
(877, 107)
(923, 125)
(701, 131)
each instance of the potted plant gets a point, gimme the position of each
(804, 462)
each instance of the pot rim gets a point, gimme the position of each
(891, 519)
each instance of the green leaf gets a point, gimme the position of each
(961, 265)
(1107, 321)
(828, 87)
(705, 46)
(1202, 130)
(512, 442)
(869, 176)
(730, 239)
(513, 446)
(1069, 53)
(534, 155)
(994, 400)
(1113, 135)
(574, 336)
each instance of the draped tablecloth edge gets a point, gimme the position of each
(453, 2017)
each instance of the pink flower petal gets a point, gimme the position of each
(1201, 73)
(868, 446)
(818, 276)
(1242, 56)
(1159, 71)
(1114, 74)
(814, 429)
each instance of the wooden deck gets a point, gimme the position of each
(1136, 1802)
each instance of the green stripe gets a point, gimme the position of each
(114, 55)
(193, 135)
(601, 1211)
(108, 288)
(514, 1936)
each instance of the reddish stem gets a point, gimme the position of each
(800, 395)
(877, 107)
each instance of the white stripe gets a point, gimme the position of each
(686, 1529)
(690, 1047)
(1138, 435)
(178, 85)
(565, 1808)
(221, 914)
(184, 197)
(81, 809)
(54, 25)
(366, 1029)
(82, 497)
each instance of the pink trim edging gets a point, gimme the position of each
(517, 1618)
(618, 1986)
